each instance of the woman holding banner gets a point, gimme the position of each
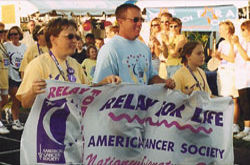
(57, 64)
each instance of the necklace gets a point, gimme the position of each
(70, 70)
(197, 82)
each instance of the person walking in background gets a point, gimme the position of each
(15, 51)
(35, 50)
(57, 64)
(99, 42)
(27, 36)
(191, 77)
(89, 64)
(80, 53)
(4, 83)
(124, 55)
(242, 76)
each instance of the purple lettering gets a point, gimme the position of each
(91, 141)
(196, 116)
(177, 111)
(157, 143)
(101, 140)
(128, 102)
(111, 140)
(119, 141)
(190, 149)
(170, 146)
(141, 103)
(107, 105)
(132, 142)
(119, 101)
(219, 119)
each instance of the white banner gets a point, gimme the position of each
(127, 124)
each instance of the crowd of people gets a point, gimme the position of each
(57, 51)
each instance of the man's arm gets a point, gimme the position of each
(169, 83)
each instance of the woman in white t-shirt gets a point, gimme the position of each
(242, 70)
(15, 51)
(226, 70)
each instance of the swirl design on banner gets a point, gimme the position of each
(165, 122)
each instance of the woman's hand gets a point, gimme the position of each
(38, 86)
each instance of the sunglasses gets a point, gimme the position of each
(13, 34)
(1, 31)
(136, 19)
(154, 25)
(173, 26)
(71, 36)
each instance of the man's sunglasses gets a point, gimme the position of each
(2, 31)
(13, 34)
(71, 36)
(136, 19)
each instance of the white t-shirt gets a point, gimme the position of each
(16, 54)
(129, 59)
(224, 48)
(242, 68)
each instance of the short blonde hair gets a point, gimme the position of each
(230, 26)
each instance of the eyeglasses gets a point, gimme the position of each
(71, 36)
(136, 19)
(13, 34)
(155, 25)
(173, 26)
(1, 31)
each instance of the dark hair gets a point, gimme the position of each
(188, 49)
(121, 11)
(89, 47)
(18, 29)
(90, 35)
(99, 38)
(38, 29)
(176, 20)
(55, 27)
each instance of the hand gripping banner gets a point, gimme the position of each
(127, 125)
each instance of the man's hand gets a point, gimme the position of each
(169, 83)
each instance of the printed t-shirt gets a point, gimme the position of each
(183, 78)
(129, 59)
(43, 67)
(31, 53)
(88, 66)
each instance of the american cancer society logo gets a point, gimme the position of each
(51, 131)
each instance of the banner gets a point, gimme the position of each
(198, 18)
(127, 124)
